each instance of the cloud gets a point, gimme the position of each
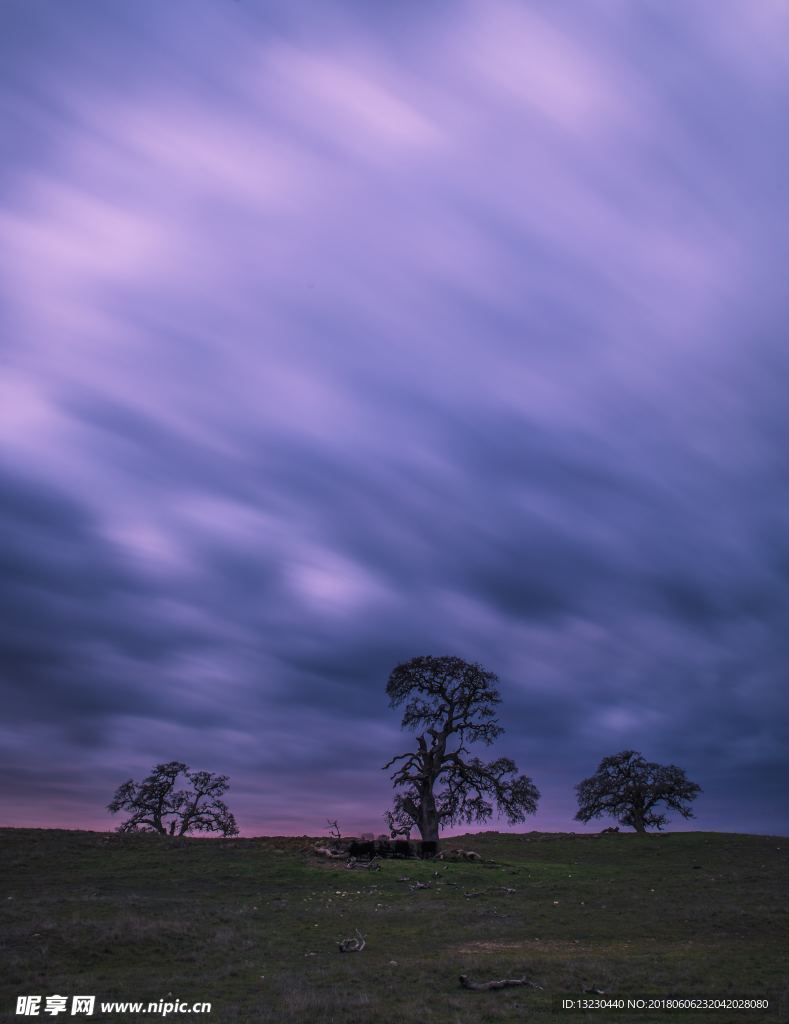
(333, 340)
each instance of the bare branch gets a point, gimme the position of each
(398, 757)
(488, 986)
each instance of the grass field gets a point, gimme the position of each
(252, 926)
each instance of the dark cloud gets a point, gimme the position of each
(336, 335)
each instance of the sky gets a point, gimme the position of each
(337, 333)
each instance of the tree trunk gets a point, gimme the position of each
(427, 822)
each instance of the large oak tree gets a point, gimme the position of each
(157, 804)
(450, 704)
(630, 789)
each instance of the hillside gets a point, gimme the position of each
(252, 926)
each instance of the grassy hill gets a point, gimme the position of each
(252, 926)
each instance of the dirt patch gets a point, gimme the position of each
(492, 947)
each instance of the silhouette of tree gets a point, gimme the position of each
(157, 806)
(629, 788)
(439, 783)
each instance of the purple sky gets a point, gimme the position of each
(337, 333)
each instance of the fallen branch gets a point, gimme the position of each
(324, 851)
(366, 865)
(489, 986)
(352, 945)
(458, 854)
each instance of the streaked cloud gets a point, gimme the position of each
(333, 336)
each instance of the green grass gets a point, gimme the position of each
(252, 926)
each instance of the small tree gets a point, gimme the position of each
(629, 789)
(452, 702)
(157, 806)
(334, 830)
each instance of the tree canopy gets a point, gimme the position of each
(157, 806)
(629, 789)
(450, 704)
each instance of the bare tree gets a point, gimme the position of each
(157, 806)
(629, 788)
(334, 831)
(439, 783)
